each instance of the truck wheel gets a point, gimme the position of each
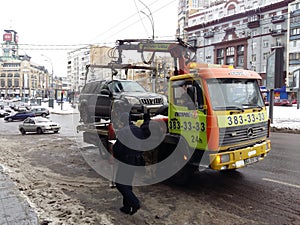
(182, 177)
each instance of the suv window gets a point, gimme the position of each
(125, 86)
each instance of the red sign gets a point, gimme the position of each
(7, 37)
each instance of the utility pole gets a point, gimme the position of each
(51, 99)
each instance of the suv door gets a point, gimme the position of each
(104, 101)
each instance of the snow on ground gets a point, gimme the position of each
(286, 117)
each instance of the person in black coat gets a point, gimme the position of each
(126, 151)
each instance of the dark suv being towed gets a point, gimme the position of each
(96, 99)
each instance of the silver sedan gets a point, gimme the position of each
(38, 125)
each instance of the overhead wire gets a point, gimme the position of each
(70, 47)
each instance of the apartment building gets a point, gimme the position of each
(293, 45)
(19, 76)
(241, 33)
(78, 60)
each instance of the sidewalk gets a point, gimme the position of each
(64, 109)
(14, 208)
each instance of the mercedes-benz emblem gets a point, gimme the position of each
(250, 132)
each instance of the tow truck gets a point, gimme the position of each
(222, 126)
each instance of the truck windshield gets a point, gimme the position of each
(237, 94)
(126, 86)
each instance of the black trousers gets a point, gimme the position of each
(124, 178)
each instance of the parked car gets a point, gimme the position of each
(294, 101)
(3, 113)
(38, 125)
(19, 116)
(7, 108)
(96, 99)
(282, 102)
(40, 111)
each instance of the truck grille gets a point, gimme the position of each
(240, 134)
(151, 101)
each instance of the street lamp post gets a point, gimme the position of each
(150, 17)
(51, 99)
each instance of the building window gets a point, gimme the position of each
(9, 82)
(240, 61)
(2, 83)
(220, 61)
(278, 41)
(294, 44)
(220, 53)
(241, 49)
(3, 75)
(253, 58)
(265, 43)
(265, 55)
(294, 56)
(16, 83)
(230, 51)
(295, 31)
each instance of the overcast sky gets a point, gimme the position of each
(55, 27)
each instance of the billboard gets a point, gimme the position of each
(7, 37)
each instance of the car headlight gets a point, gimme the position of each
(133, 101)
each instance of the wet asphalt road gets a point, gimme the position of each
(267, 192)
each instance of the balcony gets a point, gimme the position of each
(277, 45)
(277, 32)
(278, 19)
(253, 24)
(294, 62)
(209, 34)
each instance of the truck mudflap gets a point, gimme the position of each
(239, 158)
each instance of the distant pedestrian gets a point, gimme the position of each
(128, 159)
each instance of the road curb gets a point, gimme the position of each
(285, 130)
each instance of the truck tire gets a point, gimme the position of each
(182, 177)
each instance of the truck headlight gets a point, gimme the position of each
(222, 158)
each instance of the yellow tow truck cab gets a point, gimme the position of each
(220, 113)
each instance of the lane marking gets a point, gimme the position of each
(280, 182)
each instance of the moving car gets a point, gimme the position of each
(19, 116)
(282, 102)
(40, 111)
(38, 125)
(3, 113)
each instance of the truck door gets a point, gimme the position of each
(188, 112)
